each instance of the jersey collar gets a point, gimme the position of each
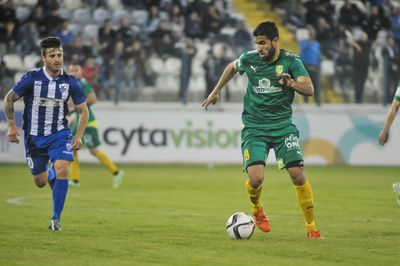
(48, 75)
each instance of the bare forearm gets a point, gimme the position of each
(303, 88)
(83, 120)
(390, 117)
(9, 100)
(226, 76)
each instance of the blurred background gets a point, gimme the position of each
(152, 63)
(175, 50)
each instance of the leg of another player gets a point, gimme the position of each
(74, 168)
(305, 199)
(254, 187)
(105, 160)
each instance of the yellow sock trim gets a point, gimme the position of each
(306, 203)
(74, 168)
(254, 194)
(104, 160)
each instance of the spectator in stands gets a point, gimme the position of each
(134, 4)
(29, 38)
(324, 37)
(119, 66)
(361, 60)
(177, 21)
(9, 37)
(91, 72)
(93, 4)
(125, 33)
(223, 60)
(77, 52)
(7, 12)
(211, 75)
(344, 67)
(212, 21)
(163, 41)
(130, 77)
(153, 20)
(396, 26)
(53, 22)
(350, 15)
(49, 5)
(39, 17)
(373, 23)
(310, 51)
(391, 68)
(193, 26)
(295, 13)
(188, 53)
(243, 40)
(64, 34)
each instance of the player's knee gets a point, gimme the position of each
(40, 183)
(62, 172)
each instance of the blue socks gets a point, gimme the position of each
(59, 194)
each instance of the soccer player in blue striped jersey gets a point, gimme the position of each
(47, 136)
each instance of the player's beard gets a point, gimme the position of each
(270, 54)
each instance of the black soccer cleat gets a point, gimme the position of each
(51, 183)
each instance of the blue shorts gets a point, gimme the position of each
(39, 150)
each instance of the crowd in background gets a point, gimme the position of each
(116, 53)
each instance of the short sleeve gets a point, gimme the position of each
(397, 94)
(87, 88)
(240, 64)
(24, 84)
(297, 69)
(76, 92)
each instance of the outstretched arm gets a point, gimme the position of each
(384, 134)
(303, 85)
(83, 120)
(226, 76)
(9, 100)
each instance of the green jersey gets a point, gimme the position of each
(268, 104)
(87, 88)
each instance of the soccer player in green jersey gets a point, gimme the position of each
(90, 137)
(274, 75)
(384, 134)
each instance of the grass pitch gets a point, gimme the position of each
(176, 215)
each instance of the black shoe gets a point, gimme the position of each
(51, 183)
(55, 225)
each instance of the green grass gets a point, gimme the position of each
(176, 215)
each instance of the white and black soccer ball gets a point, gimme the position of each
(240, 226)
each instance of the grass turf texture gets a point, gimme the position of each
(176, 215)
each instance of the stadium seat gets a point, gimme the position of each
(30, 61)
(30, 3)
(13, 62)
(74, 28)
(327, 67)
(115, 4)
(172, 65)
(118, 15)
(90, 31)
(71, 4)
(22, 13)
(100, 15)
(157, 64)
(82, 16)
(302, 34)
(64, 13)
(139, 17)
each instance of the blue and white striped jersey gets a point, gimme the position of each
(45, 99)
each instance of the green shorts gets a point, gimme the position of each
(90, 137)
(257, 142)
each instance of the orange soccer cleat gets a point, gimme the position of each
(314, 234)
(262, 221)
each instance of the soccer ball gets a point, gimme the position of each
(240, 226)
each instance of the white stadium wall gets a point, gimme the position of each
(172, 133)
